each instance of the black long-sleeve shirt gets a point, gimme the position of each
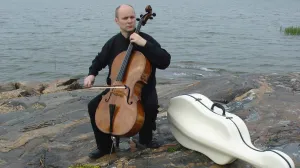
(158, 57)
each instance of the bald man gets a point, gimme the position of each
(159, 58)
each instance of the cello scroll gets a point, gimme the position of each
(149, 15)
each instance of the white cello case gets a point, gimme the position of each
(221, 137)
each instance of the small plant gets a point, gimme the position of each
(84, 166)
(292, 30)
(174, 149)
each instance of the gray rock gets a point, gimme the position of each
(53, 129)
(7, 87)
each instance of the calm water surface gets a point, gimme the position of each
(43, 40)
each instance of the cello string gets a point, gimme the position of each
(126, 59)
(124, 64)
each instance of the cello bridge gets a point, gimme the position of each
(119, 93)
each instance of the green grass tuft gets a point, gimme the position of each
(174, 149)
(84, 166)
(292, 30)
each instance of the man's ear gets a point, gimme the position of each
(116, 20)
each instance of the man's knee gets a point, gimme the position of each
(93, 104)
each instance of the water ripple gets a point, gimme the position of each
(50, 39)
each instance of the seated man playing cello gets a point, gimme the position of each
(158, 57)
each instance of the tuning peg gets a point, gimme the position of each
(151, 18)
(153, 14)
(141, 15)
(138, 19)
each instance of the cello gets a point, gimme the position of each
(120, 112)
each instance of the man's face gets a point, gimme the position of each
(126, 18)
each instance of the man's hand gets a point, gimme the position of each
(89, 81)
(137, 39)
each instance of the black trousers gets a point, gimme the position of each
(104, 141)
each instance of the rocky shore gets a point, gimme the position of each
(47, 124)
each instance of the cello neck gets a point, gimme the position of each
(128, 54)
(142, 21)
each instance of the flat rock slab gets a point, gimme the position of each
(53, 129)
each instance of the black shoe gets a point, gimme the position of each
(96, 154)
(152, 144)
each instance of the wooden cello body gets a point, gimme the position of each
(120, 112)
